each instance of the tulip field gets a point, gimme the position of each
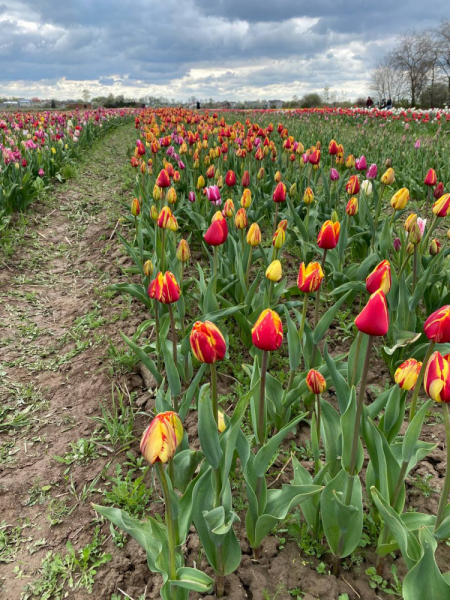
(253, 383)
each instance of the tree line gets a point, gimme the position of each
(416, 70)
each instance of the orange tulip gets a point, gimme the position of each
(310, 278)
(316, 382)
(328, 235)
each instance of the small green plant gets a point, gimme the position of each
(121, 361)
(81, 452)
(116, 423)
(378, 583)
(421, 483)
(128, 493)
(299, 531)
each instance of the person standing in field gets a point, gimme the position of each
(369, 102)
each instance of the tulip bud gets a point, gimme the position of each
(279, 194)
(171, 196)
(161, 438)
(374, 317)
(230, 179)
(435, 247)
(163, 217)
(334, 216)
(240, 220)
(221, 425)
(441, 208)
(388, 163)
(410, 222)
(228, 208)
(163, 179)
(217, 233)
(261, 173)
(407, 373)
(153, 213)
(372, 172)
(410, 249)
(437, 326)
(278, 238)
(207, 342)
(388, 177)
(350, 161)
(334, 175)
(246, 198)
(210, 172)
(157, 193)
(166, 288)
(283, 224)
(267, 334)
(293, 190)
(245, 179)
(316, 382)
(254, 235)
(430, 178)
(415, 235)
(438, 190)
(135, 207)
(379, 278)
(274, 271)
(400, 199)
(183, 253)
(308, 196)
(397, 244)
(352, 207)
(277, 177)
(328, 235)
(352, 186)
(332, 148)
(366, 187)
(148, 268)
(437, 378)
(310, 278)
(201, 182)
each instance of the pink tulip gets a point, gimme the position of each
(372, 171)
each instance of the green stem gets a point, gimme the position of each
(356, 359)
(302, 324)
(414, 281)
(169, 521)
(412, 408)
(262, 400)
(275, 220)
(430, 231)
(163, 250)
(216, 259)
(174, 350)
(158, 347)
(249, 264)
(318, 415)
(316, 310)
(446, 488)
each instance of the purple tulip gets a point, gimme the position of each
(397, 244)
(372, 171)
(334, 175)
(191, 197)
(361, 163)
(213, 194)
(181, 166)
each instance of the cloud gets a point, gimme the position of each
(224, 49)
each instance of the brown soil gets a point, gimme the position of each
(59, 272)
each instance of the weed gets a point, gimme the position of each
(130, 494)
(81, 452)
(421, 483)
(116, 424)
(378, 583)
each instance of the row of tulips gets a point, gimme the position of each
(357, 249)
(35, 146)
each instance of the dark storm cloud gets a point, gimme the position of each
(227, 47)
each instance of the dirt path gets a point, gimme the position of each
(57, 364)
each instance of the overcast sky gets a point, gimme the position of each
(225, 49)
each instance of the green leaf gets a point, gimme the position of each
(173, 377)
(135, 290)
(192, 579)
(413, 432)
(325, 321)
(424, 581)
(295, 354)
(207, 429)
(347, 426)
(339, 520)
(265, 454)
(146, 360)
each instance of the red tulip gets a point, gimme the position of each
(207, 342)
(430, 178)
(245, 179)
(437, 326)
(380, 278)
(328, 235)
(167, 289)
(230, 179)
(279, 194)
(217, 232)
(309, 278)
(374, 317)
(163, 179)
(437, 378)
(316, 382)
(267, 334)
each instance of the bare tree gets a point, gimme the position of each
(414, 56)
(442, 37)
(86, 94)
